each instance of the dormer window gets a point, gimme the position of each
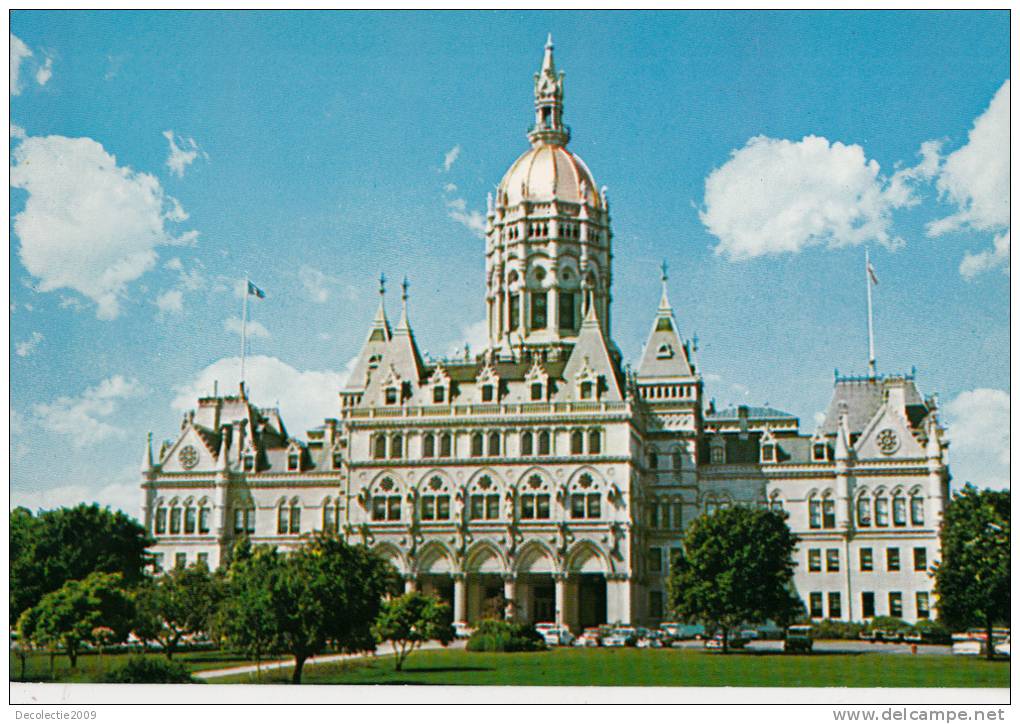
(293, 462)
(391, 396)
(819, 452)
(587, 390)
(338, 459)
(665, 351)
(488, 393)
(249, 462)
(438, 394)
(768, 453)
(537, 389)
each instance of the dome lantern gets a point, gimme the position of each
(549, 126)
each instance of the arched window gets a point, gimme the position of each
(899, 508)
(916, 508)
(175, 520)
(493, 444)
(776, 503)
(535, 501)
(244, 521)
(527, 444)
(385, 502)
(445, 445)
(476, 445)
(814, 512)
(160, 524)
(594, 442)
(397, 446)
(379, 447)
(543, 442)
(428, 446)
(577, 443)
(203, 517)
(585, 499)
(881, 510)
(483, 500)
(828, 511)
(863, 511)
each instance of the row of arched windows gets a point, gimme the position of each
(879, 509)
(186, 519)
(486, 444)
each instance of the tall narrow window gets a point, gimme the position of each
(527, 444)
(393, 507)
(397, 446)
(567, 310)
(815, 601)
(543, 442)
(577, 443)
(867, 560)
(391, 395)
(160, 520)
(863, 512)
(445, 445)
(923, 606)
(653, 460)
(293, 462)
(203, 520)
(438, 394)
(577, 502)
(539, 310)
(899, 510)
(379, 447)
(815, 513)
(832, 560)
(493, 444)
(537, 389)
(428, 446)
(594, 442)
(920, 559)
(917, 510)
(814, 558)
(476, 445)
(488, 393)
(892, 559)
(587, 390)
(295, 519)
(175, 520)
(868, 604)
(515, 311)
(882, 511)
(328, 517)
(896, 604)
(379, 508)
(283, 519)
(189, 520)
(828, 513)
(835, 605)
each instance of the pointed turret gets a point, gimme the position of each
(591, 358)
(147, 462)
(403, 352)
(843, 438)
(375, 345)
(549, 127)
(223, 459)
(665, 353)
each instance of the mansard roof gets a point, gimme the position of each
(728, 414)
(863, 396)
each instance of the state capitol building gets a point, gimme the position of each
(543, 470)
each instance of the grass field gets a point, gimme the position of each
(642, 667)
(91, 667)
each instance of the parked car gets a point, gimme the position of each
(1002, 648)
(650, 639)
(975, 642)
(798, 640)
(735, 641)
(589, 638)
(557, 636)
(683, 631)
(618, 637)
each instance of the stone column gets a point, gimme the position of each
(510, 594)
(410, 585)
(561, 598)
(618, 598)
(459, 598)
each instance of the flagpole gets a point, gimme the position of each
(871, 328)
(244, 330)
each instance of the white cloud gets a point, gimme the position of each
(975, 178)
(19, 53)
(473, 220)
(996, 257)
(978, 422)
(85, 418)
(170, 302)
(316, 284)
(306, 398)
(118, 496)
(183, 155)
(24, 349)
(255, 328)
(450, 157)
(777, 196)
(17, 131)
(88, 224)
(44, 72)
(475, 335)
(175, 264)
(450, 188)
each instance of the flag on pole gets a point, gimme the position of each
(871, 273)
(256, 292)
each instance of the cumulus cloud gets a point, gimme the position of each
(17, 131)
(474, 335)
(183, 155)
(122, 496)
(306, 398)
(44, 72)
(450, 188)
(19, 53)
(89, 224)
(777, 196)
(975, 178)
(170, 302)
(978, 422)
(24, 349)
(255, 328)
(473, 220)
(450, 157)
(85, 419)
(316, 284)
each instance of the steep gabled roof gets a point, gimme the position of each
(592, 351)
(372, 351)
(665, 354)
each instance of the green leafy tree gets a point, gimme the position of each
(326, 593)
(77, 611)
(972, 578)
(410, 620)
(180, 603)
(67, 544)
(246, 619)
(735, 566)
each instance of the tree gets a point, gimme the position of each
(325, 593)
(246, 619)
(67, 544)
(77, 611)
(179, 603)
(735, 566)
(409, 620)
(972, 577)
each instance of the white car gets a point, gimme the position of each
(620, 637)
(1002, 648)
(557, 636)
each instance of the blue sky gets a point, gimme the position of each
(158, 157)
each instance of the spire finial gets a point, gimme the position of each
(665, 271)
(404, 285)
(382, 284)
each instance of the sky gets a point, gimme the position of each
(159, 157)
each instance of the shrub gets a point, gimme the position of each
(149, 670)
(889, 623)
(934, 632)
(828, 629)
(505, 636)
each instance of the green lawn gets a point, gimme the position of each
(642, 667)
(91, 667)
